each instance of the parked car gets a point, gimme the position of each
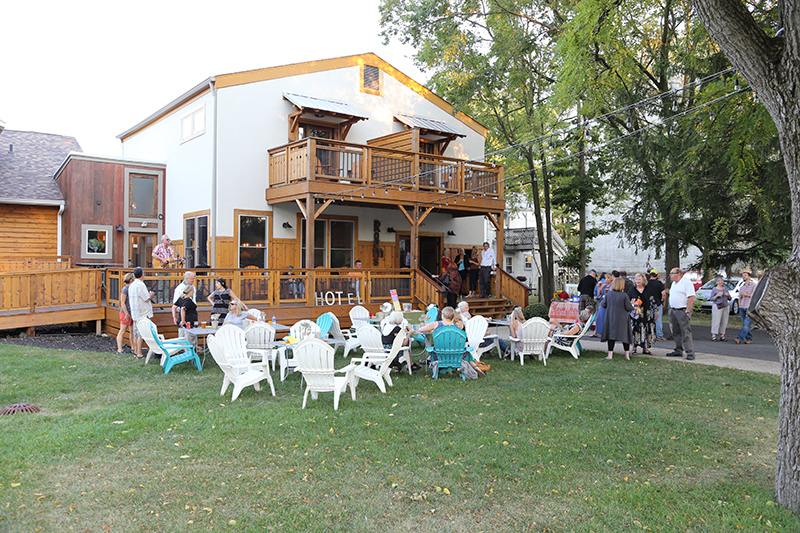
(697, 278)
(733, 285)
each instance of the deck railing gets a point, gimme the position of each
(275, 287)
(349, 163)
(55, 262)
(48, 289)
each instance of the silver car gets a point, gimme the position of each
(732, 284)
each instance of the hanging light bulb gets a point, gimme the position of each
(373, 192)
(672, 128)
(674, 105)
(362, 195)
(755, 97)
(387, 190)
(641, 142)
(710, 114)
(736, 82)
(628, 123)
(551, 140)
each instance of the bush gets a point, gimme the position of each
(537, 309)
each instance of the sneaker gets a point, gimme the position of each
(674, 354)
(748, 342)
(661, 339)
(690, 357)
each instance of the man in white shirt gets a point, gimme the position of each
(488, 265)
(188, 279)
(140, 302)
(681, 300)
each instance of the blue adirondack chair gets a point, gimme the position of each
(325, 321)
(173, 351)
(449, 345)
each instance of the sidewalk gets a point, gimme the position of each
(761, 356)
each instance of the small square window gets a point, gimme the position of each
(96, 242)
(193, 124)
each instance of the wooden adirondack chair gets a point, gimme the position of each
(315, 361)
(258, 335)
(172, 352)
(574, 345)
(237, 368)
(449, 345)
(532, 341)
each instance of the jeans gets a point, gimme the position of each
(745, 334)
(660, 322)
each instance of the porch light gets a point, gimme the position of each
(390, 230)
(119, 227)
(451, 233)
(287, 225)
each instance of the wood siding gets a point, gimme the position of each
(407, 140)
(28, 230)
(226, 254)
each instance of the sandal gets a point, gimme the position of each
(647, 352)
(723, 339)
(415, 367)
(713, 338)
(138, 357)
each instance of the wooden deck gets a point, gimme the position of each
(353, 173)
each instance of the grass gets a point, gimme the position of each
(584, 446)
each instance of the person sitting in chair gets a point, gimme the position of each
(557, 331)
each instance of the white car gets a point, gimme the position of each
(733, 285)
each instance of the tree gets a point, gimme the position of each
(771, 64)
(493, 60)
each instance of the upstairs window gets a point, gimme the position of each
(193, 124)
(143, 195)
(371, 80)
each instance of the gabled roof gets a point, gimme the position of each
(28, 162)
(285, 71)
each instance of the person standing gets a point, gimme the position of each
(681, 300)
(617, 326)
(720, 309)
(586, 288)
(125, 320)
(488, 265)
(474, 270)
(642, 315)
(454, 286)
(446, 259)
(164, 252)
(188, 279)
(659, 294)
(745, 295)
(463, 269)
(600, 292)
(140, 300)
(221, 299)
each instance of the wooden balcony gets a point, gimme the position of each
(354, 173)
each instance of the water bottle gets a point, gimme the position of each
(273, 320)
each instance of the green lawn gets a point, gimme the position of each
(585, 446)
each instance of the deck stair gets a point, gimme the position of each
(490, 307)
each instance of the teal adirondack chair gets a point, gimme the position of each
(173, 351)
(325, 322)
(449, 345)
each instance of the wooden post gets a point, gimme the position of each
(309, 221)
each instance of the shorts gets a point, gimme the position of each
(122, 319)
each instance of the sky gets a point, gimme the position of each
(92, 69)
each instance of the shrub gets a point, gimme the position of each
(537, 309)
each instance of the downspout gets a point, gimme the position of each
(58, 228)
(213, 217)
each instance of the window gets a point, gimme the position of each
(334, 243)
(195, 241)
(371, 80)
(317, 131)
(253, 241)
(193, 124)
(528, 261)
(96, 241)
(143, 195)
(509, 264)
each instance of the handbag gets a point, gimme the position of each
(446, 280)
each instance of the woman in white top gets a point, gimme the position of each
(237, 314)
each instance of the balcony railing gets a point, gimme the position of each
(348, 163)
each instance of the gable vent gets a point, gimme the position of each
(372, 78)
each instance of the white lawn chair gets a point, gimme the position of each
(384, 372)
(375, 352)
(476, 328)
(233, 342)
(258, 336)
(237, 368)
(315, 361)
(359, 315)
(532, 340)
(574, 346)
(336, 335)
(173, 351)
(299, 330)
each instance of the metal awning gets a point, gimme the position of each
(310, 104)
(428, 124)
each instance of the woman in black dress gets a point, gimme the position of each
(643, 315)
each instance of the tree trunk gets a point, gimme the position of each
(546, 286)
(772, 67)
